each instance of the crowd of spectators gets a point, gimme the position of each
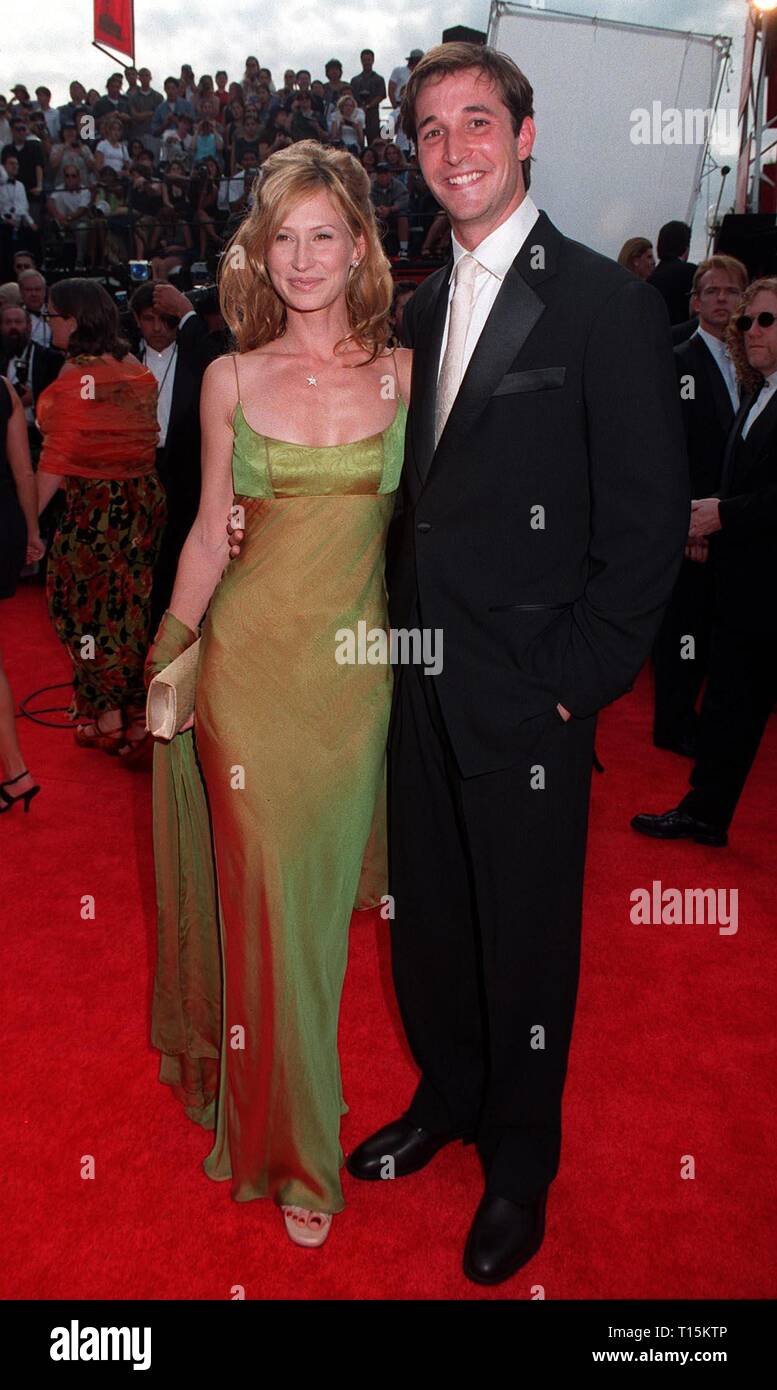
(164, 176)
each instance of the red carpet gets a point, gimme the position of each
(673, 1055)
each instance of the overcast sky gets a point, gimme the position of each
(209, 34)
(56, 45)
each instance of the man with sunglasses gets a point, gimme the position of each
(741, 523)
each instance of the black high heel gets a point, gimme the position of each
(7, 802)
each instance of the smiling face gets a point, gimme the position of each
(310, 256)
(469, 154)
(761, 343)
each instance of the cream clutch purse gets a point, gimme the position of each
(170, 697)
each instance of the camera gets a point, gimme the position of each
(139, 271)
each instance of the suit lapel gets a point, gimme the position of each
(178, 394)
(735, 442)
(426, 358)
(761, 429)
(720, 394)
(514, 313)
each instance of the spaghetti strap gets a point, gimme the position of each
(396, 373)
(237, 378)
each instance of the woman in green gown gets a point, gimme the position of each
(268, 820)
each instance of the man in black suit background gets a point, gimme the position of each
(673, 276)
(541, 523)
(740, 523)
(28, 366)
(709, 396)
(176, 346)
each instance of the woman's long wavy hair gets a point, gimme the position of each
(749, 376)
(250, 305)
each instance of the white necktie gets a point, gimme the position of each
(451, 371)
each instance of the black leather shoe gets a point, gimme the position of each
(678, 825)
(503, 1237)
(409, 1147)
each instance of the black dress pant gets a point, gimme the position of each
(740, 694)
(678, 679)
(181, 511)
(487, 877)
(165, 569)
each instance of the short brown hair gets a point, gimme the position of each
(97, 328)
(513, 87)
(729, 264)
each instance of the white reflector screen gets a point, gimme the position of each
(589, 78)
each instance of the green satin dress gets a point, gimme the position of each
(285, 778)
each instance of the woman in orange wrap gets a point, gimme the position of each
(100, 433)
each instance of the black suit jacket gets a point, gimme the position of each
(45, 366)
(708, 414)
(673, 279)
(682, 331)
(743, 551)
(569, 404)
(179, 465)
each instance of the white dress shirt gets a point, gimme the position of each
(40, 330)
(13, 199)
(494, 255)
(723, 358)
(163, 365)
(760, 403)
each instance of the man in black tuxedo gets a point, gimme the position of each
(176, 346)
(709, 396)
(28, 366)
(542, 518)
(741, 524)
(673, 276)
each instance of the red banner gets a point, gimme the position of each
(114, 26)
